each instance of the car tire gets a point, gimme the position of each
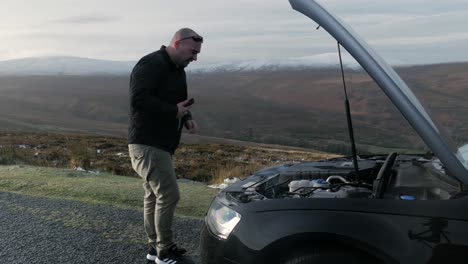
(326, 255)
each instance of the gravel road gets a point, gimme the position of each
(41, 230)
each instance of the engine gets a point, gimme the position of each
(406, 177)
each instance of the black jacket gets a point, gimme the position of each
(156, 86)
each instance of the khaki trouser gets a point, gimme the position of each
(161, 192)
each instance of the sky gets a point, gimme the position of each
(401, 31)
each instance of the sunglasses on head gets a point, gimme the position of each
(195, 38)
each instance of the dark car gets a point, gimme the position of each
(394, 208)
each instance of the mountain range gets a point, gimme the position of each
(288, 106)
(84, 66)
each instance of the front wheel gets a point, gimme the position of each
(332, 256)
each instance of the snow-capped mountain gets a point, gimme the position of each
(63, 66)
(85, 66)
(325, 60)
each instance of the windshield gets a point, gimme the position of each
(463, 153)
(392, 85)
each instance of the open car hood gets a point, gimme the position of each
(392, 85)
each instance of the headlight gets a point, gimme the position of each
(221, 219)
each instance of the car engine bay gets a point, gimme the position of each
(404, 177)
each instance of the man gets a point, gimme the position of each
(158, 112)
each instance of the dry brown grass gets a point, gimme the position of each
(200, 162)
(222, 172)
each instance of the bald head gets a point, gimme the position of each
(184, 47)
(184, 33)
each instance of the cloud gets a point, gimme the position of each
(88, 19)
(421, 40)
(353, 7)
(234, 30)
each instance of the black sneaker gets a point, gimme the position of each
(173, 255)
(152, 254)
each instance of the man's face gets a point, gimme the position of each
(187, 51)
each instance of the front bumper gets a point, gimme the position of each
(212, 248)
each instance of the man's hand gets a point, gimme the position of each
(181, 109)
(191, 126)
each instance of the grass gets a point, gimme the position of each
(220, 173)
(196, 162)
(103, 189)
